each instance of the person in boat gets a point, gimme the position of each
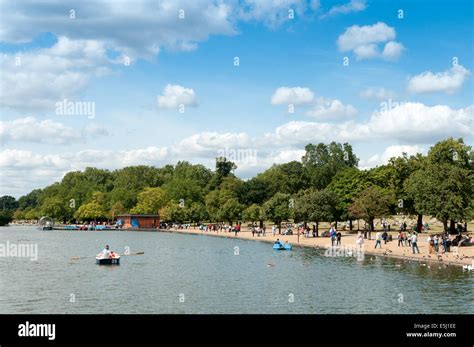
(106, 251)
(277, 242)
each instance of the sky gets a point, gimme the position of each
(110, 84)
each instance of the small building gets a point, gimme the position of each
(139, 221)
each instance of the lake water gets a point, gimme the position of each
(202, 274)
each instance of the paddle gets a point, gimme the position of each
(122, 255)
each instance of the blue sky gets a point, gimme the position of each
(421, 64)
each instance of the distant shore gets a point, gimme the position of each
(464, 256)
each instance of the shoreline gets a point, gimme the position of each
(465, 255)
(322, 243)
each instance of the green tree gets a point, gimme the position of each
(5, 217)
(315, 205)
(18, 215)
(232, 210)
(150, 201)
(253, 213)
(347, 185)
(54, 207)
(322, 162)
(8, 203)
(91, 211)
(278, 208)
(371, 203)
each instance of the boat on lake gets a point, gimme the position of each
(108, 259)
(282, 247)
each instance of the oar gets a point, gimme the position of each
(124, 255)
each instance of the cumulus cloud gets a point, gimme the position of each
(391, 152)
(36, 80)
(30, 129)
(331, 109)
(175, 95)
(321, 108)
(365, 40)
(292, 95)
(448, 81)
(351, 6)
(414, 125)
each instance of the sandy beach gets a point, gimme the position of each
(463, 255)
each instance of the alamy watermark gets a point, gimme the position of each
(345, 252)
(243, 156)
(19, 250)
(75, 108)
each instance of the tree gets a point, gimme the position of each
(373, 202)
(32, 214)
(278, 208)
(322, 162)
(5, 217)
(443, 185)
(54, 207)
(214, 202)
(232, 210)
(18, 215)
(347, 185)
(315, 205)
(91, 211)
(8, 203)
(150, 201)
(29, 200)
(253, 213)
(443, 191)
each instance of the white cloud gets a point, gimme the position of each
(331, 109)
(292, 95)
(30, 129)
(209, 143)
(412, 124)
(175, 95)
(390, 152)
(37, 79)
(364, 41)
(392, 50)
(448, 81)
(160, 24)
(351, 6)
(377, 94)
(416, 122)
(142, 28)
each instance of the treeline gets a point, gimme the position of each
(325, 185)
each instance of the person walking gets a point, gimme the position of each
(338, 238)
(360, 240)
(332, 233)
(436, 243)
(430, 241)
(414, 244)
(385, 237)
(400, 238)
(378, 239)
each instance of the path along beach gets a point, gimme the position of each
(457, 256)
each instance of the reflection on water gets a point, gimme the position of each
(198, 274)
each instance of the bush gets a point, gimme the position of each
(5, 217)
